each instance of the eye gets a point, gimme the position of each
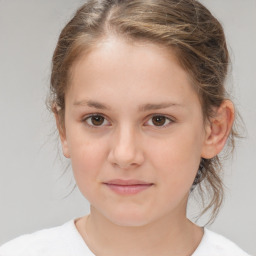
(159, 120)
(96, 120)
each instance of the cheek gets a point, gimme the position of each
(178, 157)
(87, 157)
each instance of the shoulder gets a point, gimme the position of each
(59, 240)
(214, 244)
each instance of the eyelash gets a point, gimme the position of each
(171, 120)
(93, 115)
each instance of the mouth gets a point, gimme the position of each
(127, 187)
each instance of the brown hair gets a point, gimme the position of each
(184, 26)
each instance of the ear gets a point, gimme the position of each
(62, 133)
(218, 130)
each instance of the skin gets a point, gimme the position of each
(128, 143)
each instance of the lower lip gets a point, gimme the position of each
(128, 189)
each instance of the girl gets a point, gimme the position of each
(141, 109)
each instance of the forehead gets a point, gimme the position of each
(138, 68)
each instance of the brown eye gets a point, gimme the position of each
(96, 120)
(158, 120)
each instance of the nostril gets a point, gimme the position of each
(125, 166)
(126, 159)
(125, 150)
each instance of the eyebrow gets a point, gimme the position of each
(147, 107)
(92, 104)
(142, 108)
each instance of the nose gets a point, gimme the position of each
(125, 150)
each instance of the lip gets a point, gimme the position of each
(127, 187)
(127, 182)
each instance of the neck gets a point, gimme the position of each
(169, 235)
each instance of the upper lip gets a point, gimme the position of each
(127, 182)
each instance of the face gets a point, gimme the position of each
(134, 131)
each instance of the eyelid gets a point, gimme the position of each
(171, 119)
(85, 118)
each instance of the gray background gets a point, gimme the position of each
(32, 190)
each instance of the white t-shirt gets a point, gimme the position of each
(65, 240)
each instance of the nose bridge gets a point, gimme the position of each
(125, 149)
(125, 143)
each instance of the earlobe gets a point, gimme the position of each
(218, 130)
(62, 134)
